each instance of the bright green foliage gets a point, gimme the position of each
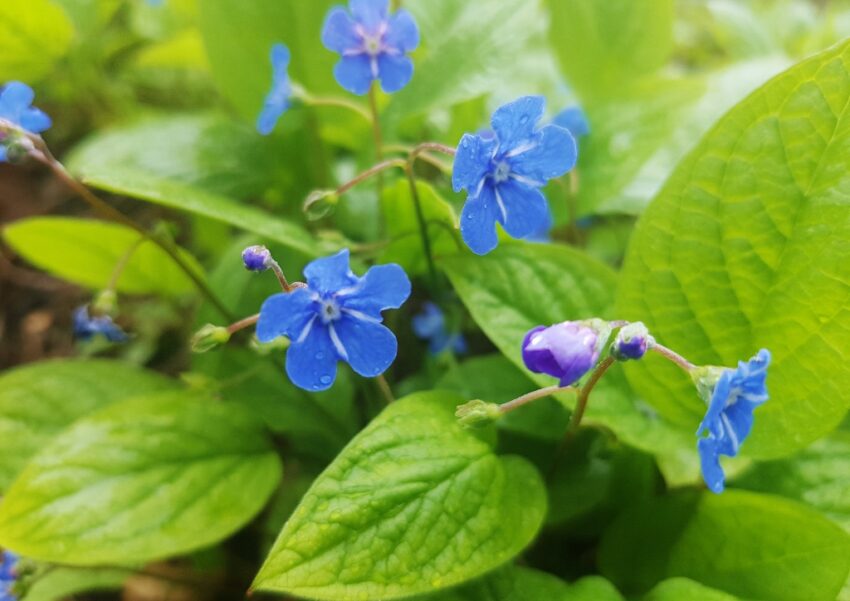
(63, 583)
(681, 589)
(744, 248)
(39, 401)
(140, 480)
(34, 34)
(604, 45)
(86, 252)
(137, 184)
(413, 504)
(755, 546)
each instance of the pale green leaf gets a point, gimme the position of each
(681, 589)
(40, 400)
(64, 583)
(745, 247)
(86, 252)
(143, 479)
(413, 504)
(34, 34)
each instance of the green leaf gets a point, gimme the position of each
(402, 226)
(64, 583)
(89, 15)
(413, 504)
(239, 37)
(86, 252)
(172, 194)
(817, 476)
(751, 545)
(469, 49)
(206, 151)
(744, 248)
(678, 589)
(520, 286)
(38, 401)
(34, 34)
(143, 479)
(602, 46)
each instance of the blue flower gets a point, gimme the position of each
(257, 258)
(632, 342)
(565, 350)
(373, 45)
(8, 575)
(336, 317)
(573, 120)
(729, 418)
(502, 175)
(430, 325)
(277, 100)
(15, 107)
(87, 327)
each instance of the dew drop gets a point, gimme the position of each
(523, 120)
(319, 356)
(325, 379)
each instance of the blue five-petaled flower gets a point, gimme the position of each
(430, 325)
(729, 418)
(336, 317)
(502, 174)
(373, 45)
(87, 326)
(277, 100)
(15, 107)
(8, 575)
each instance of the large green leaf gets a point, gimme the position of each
(64, 583)
(86, 252)
(746, 247)
(604, 45)
(752, 545)
(38, 401)
(680, 589)
(239, 37)
(34, 34)
(413, 504)
(469, 48)
(520, 286)
(207, 151)
(143, 479)
(138, 184)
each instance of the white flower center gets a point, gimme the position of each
(329, 310)
(502, 172)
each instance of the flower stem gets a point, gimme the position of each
(385, 389)
(532, 396)
(584, 394)
(242, 324)
(374, 170)
(112, 214)
(423, 225)
(673, 356)
(377, 134)
(336, 102)
(278, 271)
(122, 264)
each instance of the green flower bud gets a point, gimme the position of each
(209, 337)
(477, 414)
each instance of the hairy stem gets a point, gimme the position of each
(423, 225)
(533, 396)
(122, 263)
(584, 393)
(377, 134)
(673, 356)
(247, 322)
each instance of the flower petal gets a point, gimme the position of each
(338, 32)
(554, 154)
(35, 120)
(478, 222)
(354, 73)
(383, 287)
(273, 108)
(330, 274)
(711, 421)
(573, 120)
(311, 363)
(403, 32)
(430, 322)
(472, 162)
(280, 57)
(286, 315)
(712, 473)
(16, 96)
(394, 71)
(4, 156)
(369, 347)
(515, 121)
(369, 13)
(523, 210)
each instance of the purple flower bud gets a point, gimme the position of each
(565, 350)
(632, 342)
(257, 258)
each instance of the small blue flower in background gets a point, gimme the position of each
(729, 418)
(373, 45)
(430, 325)
(8, 575)
(257, 258)
(87, 327)
(573, 120)
(565, 350)
(336, 317)
(277, 100)
(502, 175)
(15, 107)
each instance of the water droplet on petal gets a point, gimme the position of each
(326, 379)
(523, 120)
(319, 356)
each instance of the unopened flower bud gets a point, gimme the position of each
(632, 342)
(320, 204)
(477, 413)
(565, 350)
(257, 258)
(105, 303)
(209, 337)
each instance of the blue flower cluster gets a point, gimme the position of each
(8, 575)
(336, 317)
(16, 108)
(430, 325)
(729, 418)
